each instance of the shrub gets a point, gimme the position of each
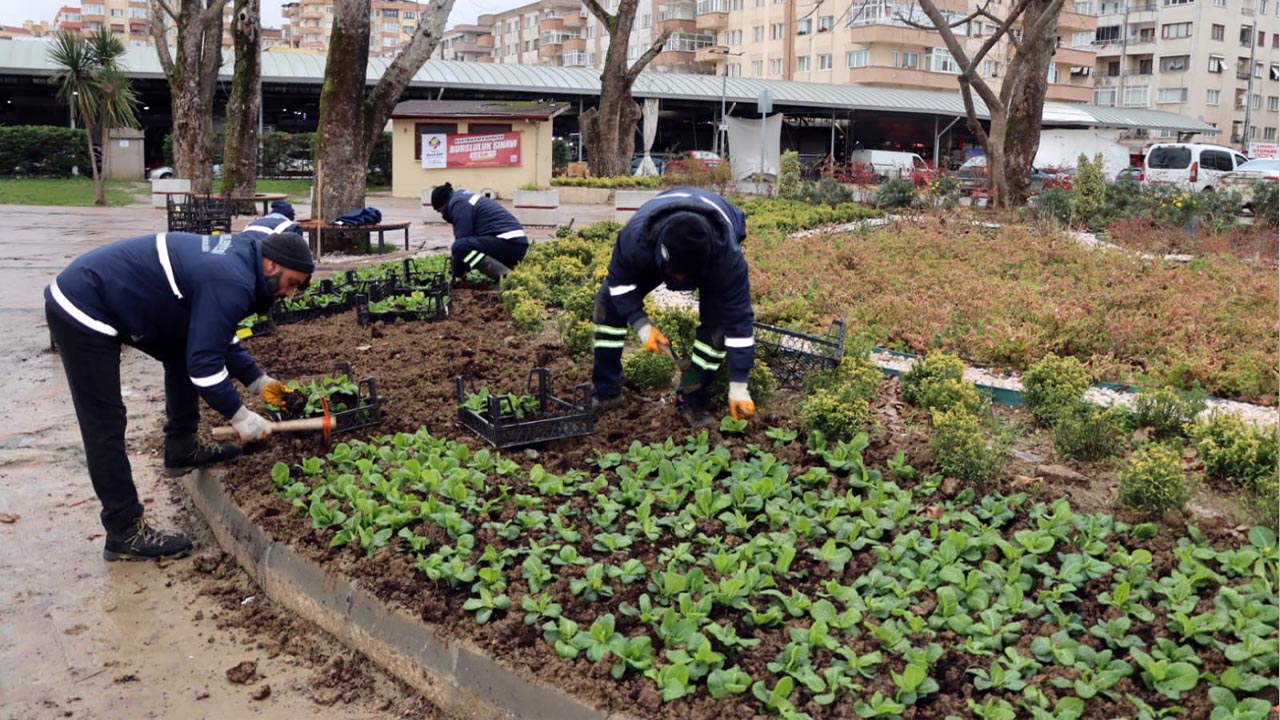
(42, 150)
(619, 182)
(563, 275)
(525, 278)
(932, 368)
(380, 161)
(1054, 205)
(648, 371)
(1053, 386)
(1265, 201)
(527, 315)
(896, 193)
(839, 416)
(855, 374)
(963, 448)
(788, 215)
(789, 175)
(951, 393)
(679, 325)
(827, 191)
(580, 303)
(1088, 432)
(945, 191)
(1233, 451)
(513, 296)
(1089, 192)
(1167, 411)
(561, 155)
(1153, 482)
(576, 334)
(697, 174)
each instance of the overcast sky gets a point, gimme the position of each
(15, 12)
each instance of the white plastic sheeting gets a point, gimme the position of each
(754, 146)
(650, 115)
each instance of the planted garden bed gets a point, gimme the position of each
(730, 576)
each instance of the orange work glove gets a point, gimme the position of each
(741, 406)
(275, 392)
(653, 339)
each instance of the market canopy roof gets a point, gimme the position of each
(518, 109)
(30, 57)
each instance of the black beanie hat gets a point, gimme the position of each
(440, 196)
(685, 240)
(280, 207)
(290, 250)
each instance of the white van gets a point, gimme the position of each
(1195, 166)
(890, 163)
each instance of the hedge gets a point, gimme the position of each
(42, 150)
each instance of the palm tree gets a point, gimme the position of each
(117, 103)
(77, 78)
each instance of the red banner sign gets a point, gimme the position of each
(481, 150)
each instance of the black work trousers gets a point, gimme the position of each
(91, 361)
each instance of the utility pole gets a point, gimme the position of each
(1124, 54)
(1248, 88)
(722, 130)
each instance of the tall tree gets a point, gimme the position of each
(192, 72)
(351, 120)
(1017, 110)
(609, 130)
(240, 135)
(89, 77)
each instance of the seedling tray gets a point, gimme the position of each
(555, 418)
(792, 355)
(436, 308)
(280, 316)
(425, 280)
(257, 330)
(364, 408)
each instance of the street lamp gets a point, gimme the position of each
(722, 130)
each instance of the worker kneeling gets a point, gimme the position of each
(690, 239)
(486, 237)
(177, 297)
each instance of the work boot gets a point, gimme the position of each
(695, 416)
(183, 454)
(600, 404)
(140, 541)
(492, 268)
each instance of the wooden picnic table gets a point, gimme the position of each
(310, 226)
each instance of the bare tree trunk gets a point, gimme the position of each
(192, 74)
(1026, 98)
(240, 144)
(608, 131)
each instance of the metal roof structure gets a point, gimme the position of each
(29, 57)
(519, 109)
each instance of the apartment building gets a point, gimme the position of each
(125, 18)
(308, 24)
(540, 33)
(1215, 60)
(471, 43)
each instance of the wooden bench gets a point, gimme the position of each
(312, 226)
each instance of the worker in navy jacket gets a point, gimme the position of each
(177, 297)
(690, 239)
(486, 237)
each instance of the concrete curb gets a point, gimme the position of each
(457, 677)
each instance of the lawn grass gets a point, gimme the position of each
(1008, 296)
(72, 191)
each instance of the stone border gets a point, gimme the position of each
(454, 675)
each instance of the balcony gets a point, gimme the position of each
(712, 14)
(904, 78)
(1070, 93)
(1075, 57)
(1075, 22)
(678, 17)
(485, 42)
(547, 50)
(868, 34)
(312, 14)
(575, 44)
(574, 59)
(551, 23)
(557, 37)
(712, 54)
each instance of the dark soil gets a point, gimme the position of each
(415, 365)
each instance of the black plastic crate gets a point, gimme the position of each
(370, 286)
(793, 355)
(364, 409)
(555, 418)
(426, 280)
(257, 330)
(436, 307)
(344, 303)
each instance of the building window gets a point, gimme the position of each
(117, 12)
(1219, 3)
(802, 63)
(1211, 97)
(804, 27)
(1218, 32)
(735, 37)
(1275, 41)
(1167, 3)
(391, 14)
(757, 68)
(1084, 8)
(777, 31)
(907, 60)
(775, 67)
(1081, 39)
(1255, 101)
(1175, 30)
(1053, 74)
(989, 68)
(759, 3)
(1172, 95)
(1174, 63)
(1269, 134)
(1246, 35)
(1137, 96)
(1144, 67)
(390, 27)
(824, 61)
(1275, 71)
(1107, 34)
(857, 58)
(1113, 69)
(1273, 103)
(646, 21)
(1253, 132)
(825, 23)
(408, 15)
(758, 31)
(1105, 97)
(1217, 64)
(736, 5)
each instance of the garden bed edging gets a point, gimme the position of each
(584, 195)
(454, 675)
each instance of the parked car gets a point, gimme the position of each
(692, 160)
(972, 175)
(1132, 173)
(888, 164)
(164, 172)
(659, 162)
(1241, 179)
(1196, 166)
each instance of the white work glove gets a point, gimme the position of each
(741, 406)
(250, 425)
(258, 385)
